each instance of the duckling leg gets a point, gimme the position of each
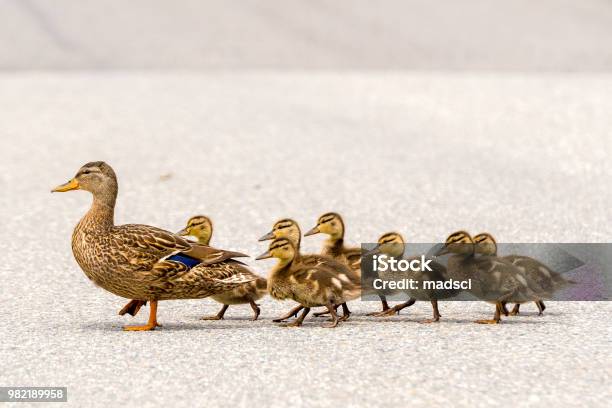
(332, 312)
(292, 313)
(436, 313)
(385, 306)
(515, 309)
(151, 324)
(256, 310)
(299, 320)
(218, 316)
(395, 309)
(132, 307)
(541, 307)
(496, 318)
(346, 313)
(505, 309)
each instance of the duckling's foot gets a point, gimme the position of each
(384, 313)
(218, 316)
(515, 310)
(434, 320)
(385, 306)
(151, 324)
(256, 310)
(299, 320)
(292, 313)
(436, 312)
(132, 307)
(485, 321)
(334, 319)
(346, 313)
(541, 307)
(504, 309)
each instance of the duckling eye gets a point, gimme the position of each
(86, 172)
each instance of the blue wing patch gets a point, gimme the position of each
(184, 259)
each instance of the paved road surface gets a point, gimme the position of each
(526, 157)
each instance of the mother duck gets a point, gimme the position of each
(142, 262)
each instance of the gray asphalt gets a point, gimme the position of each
(526, 157)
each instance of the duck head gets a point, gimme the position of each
(484, 244)
(200, 227)
(96, 177)
(282, 249)
(460, 243)
(330, 224)
(285, 228)
(390, 244)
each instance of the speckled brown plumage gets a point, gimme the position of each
(130, 260)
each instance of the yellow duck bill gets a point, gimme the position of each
(313, 231)
(71, 185)
(183, 232)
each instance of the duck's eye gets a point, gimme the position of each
(85, 172)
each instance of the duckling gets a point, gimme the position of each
(546, 279)
(309, 285)
(288, 228)
(201, 228)
(493, 279)
(143, 262)
(332, 224)
(392, 244)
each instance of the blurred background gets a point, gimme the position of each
(494, 35)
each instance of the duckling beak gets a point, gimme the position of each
(71, 185)
(267, 237)
(313, 231)
(374, 251)
(183, 232)
(265, 255)
(438, 250)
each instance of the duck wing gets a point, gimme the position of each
(145, 245)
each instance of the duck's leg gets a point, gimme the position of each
(385, 306)
(292, 313)
(541, 307)
(151, 324)
(346, 313)
(515, 309)
(326, 312)
(132, 307)
(504, 308)
(298, 322)
(436, 313)
(332, 312)
(218, 316)
(256, 310)
(496, 318)
(395, 309)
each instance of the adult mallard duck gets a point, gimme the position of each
(142, 262)
(533, 270)
(288, 228)
(201, 228)
(309, 285)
